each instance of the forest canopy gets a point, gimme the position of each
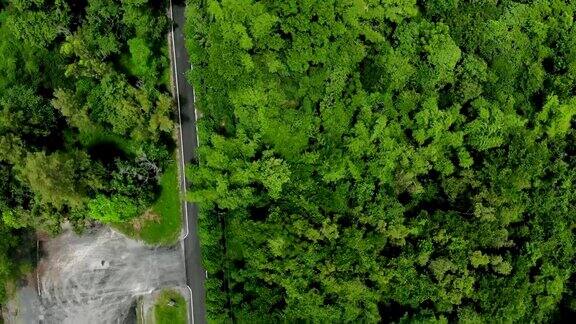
(85, 123)
(386, 160)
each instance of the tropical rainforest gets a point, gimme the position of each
(392, 161)
(85, 117)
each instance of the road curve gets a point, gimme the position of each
(188, 142)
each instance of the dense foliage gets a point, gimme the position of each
(386, 160)
(84, 114)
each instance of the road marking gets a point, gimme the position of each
(38, 283)
(181, 154)
(182, 162)
(191, 315)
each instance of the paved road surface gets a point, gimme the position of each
(195, 274)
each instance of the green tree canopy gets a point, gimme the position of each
(392, 161)
(85, 117)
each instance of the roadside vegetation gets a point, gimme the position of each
(161, 224)
(85, 122)
(392, 161)
(171, 308)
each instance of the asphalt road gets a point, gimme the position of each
(195, 274)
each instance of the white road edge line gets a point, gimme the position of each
(38, 283)
(182, 162)
(190, 314)
(181, 153)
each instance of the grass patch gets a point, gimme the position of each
(166, 71)
(170, 308)
(139, 313)
(162, 223)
